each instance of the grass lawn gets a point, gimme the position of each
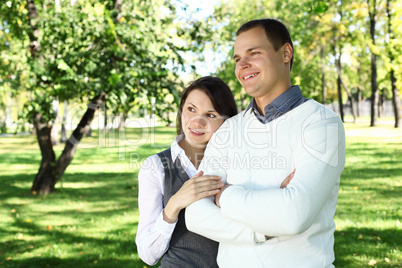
(91, 220)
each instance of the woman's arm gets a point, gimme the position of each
(156, 223)
(153, 234)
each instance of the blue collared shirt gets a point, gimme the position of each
(285, 102)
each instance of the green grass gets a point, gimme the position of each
(91, 220)
(369, 214)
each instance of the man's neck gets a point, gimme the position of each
(262, 101)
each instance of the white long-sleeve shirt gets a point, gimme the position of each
(256, 158)
(153, 234)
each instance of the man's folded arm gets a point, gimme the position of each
(205, 218)
(319, 161)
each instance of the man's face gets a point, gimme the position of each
(259, 68)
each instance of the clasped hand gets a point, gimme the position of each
(192, 190)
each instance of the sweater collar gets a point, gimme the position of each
(280, 105)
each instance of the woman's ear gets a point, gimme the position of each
(287, 53)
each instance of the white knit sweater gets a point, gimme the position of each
(256, 158)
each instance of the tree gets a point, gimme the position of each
(396, 103)
(89, 51)
(372, 9)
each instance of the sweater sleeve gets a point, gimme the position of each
(153, 234)
(204, 217)
(319, 161)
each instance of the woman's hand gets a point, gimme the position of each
(288, 179)
(192, 190)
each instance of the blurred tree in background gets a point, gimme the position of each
(333, 51)
(122, 54)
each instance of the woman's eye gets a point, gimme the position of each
(211, 116)
(191, 109)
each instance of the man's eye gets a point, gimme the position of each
(255, 53)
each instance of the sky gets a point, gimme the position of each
(206, 8)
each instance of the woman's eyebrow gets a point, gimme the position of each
(209, 111)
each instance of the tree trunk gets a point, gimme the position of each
(34, 42)
(396, 103)
(54, 135)
(340, 99)
(338, 80)
(105, 127)
(44, 178)
(359, 101)
(381, 100)
(323, 82)
(351, 99)
(341, 82)
(63, 137)
(51, 171)
(374, 87)
(122, 122)
(359, 93)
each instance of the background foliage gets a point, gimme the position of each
(144, 50)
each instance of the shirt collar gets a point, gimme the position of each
(175, 148)
(286, 100)
(282, 103)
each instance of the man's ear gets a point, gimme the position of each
(287, 52)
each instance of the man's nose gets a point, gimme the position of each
(243, 63)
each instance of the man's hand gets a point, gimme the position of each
(218, 195)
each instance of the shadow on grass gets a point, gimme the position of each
(78, 245)
(105, 198)
(84, 261)
(98, 186)
(352, 243)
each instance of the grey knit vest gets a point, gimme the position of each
(186, 249)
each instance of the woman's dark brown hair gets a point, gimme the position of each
(218, 92)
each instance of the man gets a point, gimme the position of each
(257, 223)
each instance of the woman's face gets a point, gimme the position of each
(199, 119)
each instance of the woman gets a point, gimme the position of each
(165, 189)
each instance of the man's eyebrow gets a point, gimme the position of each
(248, 50)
